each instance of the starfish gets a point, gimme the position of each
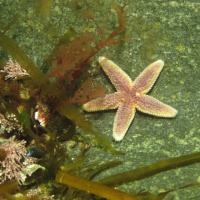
(130, 95)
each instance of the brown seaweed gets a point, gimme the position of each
(150, 170)
(67, 109)
(8, 187)
(91, 187)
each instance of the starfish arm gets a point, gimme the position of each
(110, 101)
(123, 119)
(147, 78)
(118, 77)
(149, 105)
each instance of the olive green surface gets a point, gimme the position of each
(167, 30)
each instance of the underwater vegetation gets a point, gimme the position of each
(39, 116)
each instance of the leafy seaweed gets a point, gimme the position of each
(65, 108)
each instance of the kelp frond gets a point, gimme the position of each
(150, 170)
(91, 187)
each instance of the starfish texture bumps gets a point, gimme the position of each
(130, 95)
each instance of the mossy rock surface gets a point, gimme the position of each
(167, 30)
